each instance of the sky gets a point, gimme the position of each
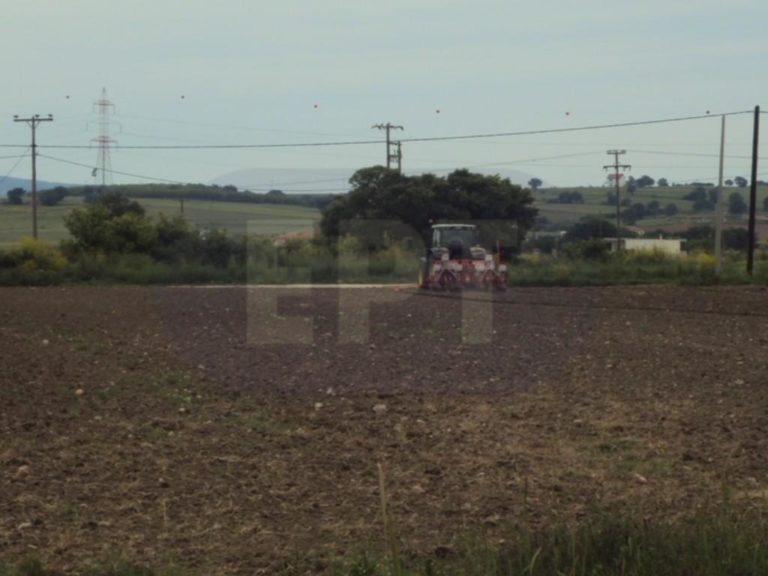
(201, 73)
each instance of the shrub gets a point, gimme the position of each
(32, 255)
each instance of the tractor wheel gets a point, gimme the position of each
(452, 284)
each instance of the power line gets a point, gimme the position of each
(575, 128)
(691, 154)
(229, 127)
(539, 159)
(20, 158)
(15, 156)
(423, 139)
(90, 167)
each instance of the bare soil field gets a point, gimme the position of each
(238, 431)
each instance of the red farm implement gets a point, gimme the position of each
(456, 261)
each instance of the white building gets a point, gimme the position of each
(671, 246)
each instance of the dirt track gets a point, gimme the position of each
(157, 423)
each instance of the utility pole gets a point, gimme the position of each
(753, 194)
(397, 155)
(33, 121)
(616, 167)
(720, 204)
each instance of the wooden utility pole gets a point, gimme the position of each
(720, 204)
(616, 167)
(33, 121)
(397, 155)
(753, 194)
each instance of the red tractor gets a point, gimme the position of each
(455, 261)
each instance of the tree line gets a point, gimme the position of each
(112, 238)
(212, 193)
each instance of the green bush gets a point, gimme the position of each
(32, 263)
(631, 267)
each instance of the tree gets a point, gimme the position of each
(736, 239)
(535, 183)
(703, 205)
(698, 193)
(740, 181)
(662, 183)
(568, 198)
(112, 223)
(590, 227)
(670, 209)
(699, 232)
(634, 213)
(631, 185)
(702, 200)
(380, 193)
(53, 196)
(118, 204)
(645, 181)
(736, 204)
(729, 182)
(544, 244)
(699, 237)
(16, 196)
(543, 223)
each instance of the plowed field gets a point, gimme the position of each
(239, 431)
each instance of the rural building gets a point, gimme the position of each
(671, 246)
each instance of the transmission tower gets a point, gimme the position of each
(104, 108)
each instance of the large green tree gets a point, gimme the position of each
(109, 229)
(535, 183)
(416, 201)
(53, 196)
(16, 196)
(736, 204)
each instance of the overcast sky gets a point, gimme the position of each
(295, 71)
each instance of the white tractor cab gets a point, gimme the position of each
(456, 260)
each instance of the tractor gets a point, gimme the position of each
(455, 260)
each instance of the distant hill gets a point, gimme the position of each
(10, 183)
